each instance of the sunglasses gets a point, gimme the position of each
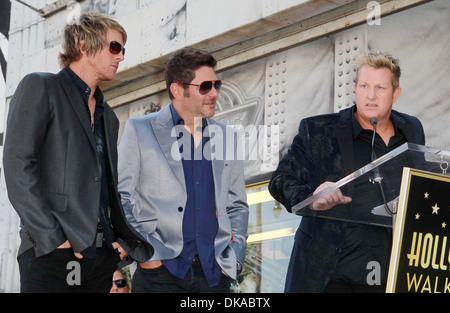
(206, 86)
(116, 48)
(120, 283)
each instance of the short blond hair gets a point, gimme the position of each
(92, 28)
(378, 59)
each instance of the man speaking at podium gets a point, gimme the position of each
(331, 255)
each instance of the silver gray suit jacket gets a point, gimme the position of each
(153, 190)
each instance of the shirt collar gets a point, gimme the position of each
(357, 129)
(177, 119)
(85, 90)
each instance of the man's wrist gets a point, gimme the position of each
(238, 267)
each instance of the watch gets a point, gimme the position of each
(238, 267)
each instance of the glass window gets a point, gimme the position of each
(271, 232)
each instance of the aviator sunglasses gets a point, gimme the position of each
(120, 283)
(206, 86)
(116, 48)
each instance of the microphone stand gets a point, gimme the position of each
(377, 176)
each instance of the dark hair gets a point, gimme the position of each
(182, 65)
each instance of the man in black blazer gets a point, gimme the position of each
(60, 163)
(331, 255)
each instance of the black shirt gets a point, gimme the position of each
(365, 243)
(99, 135)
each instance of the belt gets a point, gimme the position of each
(196, 260)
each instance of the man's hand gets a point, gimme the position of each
(67, 245)
(330, 200)
(123, 254)
(151, 264)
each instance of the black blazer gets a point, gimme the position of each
(321, 151)
(52, 169)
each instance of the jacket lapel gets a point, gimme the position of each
(344, 135)
(162, 127)
(77, 103)
(108, 137)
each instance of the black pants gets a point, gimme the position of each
(160, 280)
(61, 272)
(338, 287)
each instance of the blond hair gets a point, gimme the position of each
(377, 60)
(92, 28)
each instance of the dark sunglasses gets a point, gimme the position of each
(120, 283)
(116, 48)
(206, 86)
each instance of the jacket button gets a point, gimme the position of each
(97, 178)
(180, 209)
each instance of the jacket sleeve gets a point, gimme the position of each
(128, 173)
(294, 179)
(237, 209)
(29, 116)
(128, 169)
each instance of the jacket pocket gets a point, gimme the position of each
(57, 202)
(148, 226)
(302, 239)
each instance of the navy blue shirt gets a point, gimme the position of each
(99, 135)
(200, 217)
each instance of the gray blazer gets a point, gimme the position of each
(153, 191)
(52, 170)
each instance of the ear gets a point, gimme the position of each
(397, 93)
(81, 46)
(177, 90)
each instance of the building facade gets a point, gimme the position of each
(280, 61)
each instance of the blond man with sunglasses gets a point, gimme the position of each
(187, 200)
(60, 161)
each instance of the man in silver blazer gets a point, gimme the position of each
(182, 185)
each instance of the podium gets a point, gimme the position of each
(420, 260)
(408, 190)
(375, 188)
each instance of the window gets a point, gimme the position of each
(271, 236)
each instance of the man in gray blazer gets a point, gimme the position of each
(60, 162)
(182, 185)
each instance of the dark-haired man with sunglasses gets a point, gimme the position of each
(60, 161)
(120, 282)
(184, 198)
